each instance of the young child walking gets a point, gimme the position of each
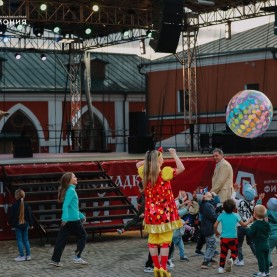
(228, 237)
(72, 220)
(260, 231)
(21, 219)
(140, 215)
(161, 215)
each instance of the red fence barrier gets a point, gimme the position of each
(258, 169)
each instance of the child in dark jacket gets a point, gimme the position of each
(21, 219)
(259, 231)
(139, 216)
(209, 217)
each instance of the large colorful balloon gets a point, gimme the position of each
(249, 113)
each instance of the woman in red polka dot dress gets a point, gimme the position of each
(161, 214)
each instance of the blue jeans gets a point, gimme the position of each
(22, 240)
(210, 248)
(249, 241)
(179, 242)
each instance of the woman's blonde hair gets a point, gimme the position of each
(20, 195)
(151, 168)
(65, 182)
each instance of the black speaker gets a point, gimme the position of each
(167, 23)
(232, 143)
(137, 124)
(138, 145)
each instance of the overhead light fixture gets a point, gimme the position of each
(43, 57)
(38, 30)
(17, 56)
(95, 7)
(19, 27)
(56, 29)
(228, 30)
(149, 33)
(43, 7)
(206, 3)
(88, 31)
(126, 33)
(142, 47)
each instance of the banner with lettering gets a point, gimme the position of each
(257, 169)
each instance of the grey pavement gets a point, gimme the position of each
(111, 255)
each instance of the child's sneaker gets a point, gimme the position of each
(170, 264)
(229, 265)
(148, 269)
(239, 263)
(28, 258)
(221, 270)
(184, 258)
(205, 265)
(20, 259)
(77, 260)
(58, 264)
(259, 274)
(119, 231)
(199, 252)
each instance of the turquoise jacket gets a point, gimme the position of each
(70, 210)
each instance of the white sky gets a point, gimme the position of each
(205, 35)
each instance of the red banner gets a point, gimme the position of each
(260, 170)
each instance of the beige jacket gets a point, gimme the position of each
(222, 181)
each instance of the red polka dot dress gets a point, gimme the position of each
(161, 214)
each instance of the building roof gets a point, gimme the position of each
(31, 74)
(259, 38)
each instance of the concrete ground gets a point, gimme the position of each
(111, 255)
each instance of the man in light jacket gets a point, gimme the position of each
(222, 181)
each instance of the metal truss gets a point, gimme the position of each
(234, 13)
(75, 96)
(24, 41)
(78, 12)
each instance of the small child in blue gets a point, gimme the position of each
(228, 236)
(21, 219)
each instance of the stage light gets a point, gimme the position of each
(43, 7)
(57, 30)
(1, 3)
(19, 27)
(228, 30)
(95, 7)
(126, 33)
(43, 57)
(17, 56)
(5, 39)
(88, 31)
(142, 47)
(3, 29)
(149, 34)
(38, 30)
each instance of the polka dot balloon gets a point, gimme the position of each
(249, 113)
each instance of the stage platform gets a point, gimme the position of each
(255, 168)
(39, 158)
